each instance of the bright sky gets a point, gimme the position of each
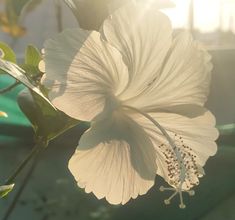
(209, 15)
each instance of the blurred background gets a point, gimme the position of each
(52, 193)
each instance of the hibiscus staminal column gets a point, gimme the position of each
(179, 162)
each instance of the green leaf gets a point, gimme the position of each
(32, 56)
(46, 120)
(7, 53)
(32, 59)
(4, 190)
(32, 73)
(19, 74)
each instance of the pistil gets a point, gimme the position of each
(181, 164)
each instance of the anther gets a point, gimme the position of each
(162, 188)
(182, 206)
(167, 202)
(191, 192)
(176, 191)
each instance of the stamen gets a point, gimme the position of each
(167, 201)
(180, 161)
(181, 205)
(176, 192)
(191, 192)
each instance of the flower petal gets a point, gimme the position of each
(82, 71)
(184, 79)
(115, 159)
(194, 139)
(143, 36)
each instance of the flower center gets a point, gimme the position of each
(112, 104)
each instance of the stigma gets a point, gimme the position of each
(176, 191)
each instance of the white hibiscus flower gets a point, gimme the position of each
(143, 91)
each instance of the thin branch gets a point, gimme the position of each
(34, 151)
(21, 189)
(9, 88)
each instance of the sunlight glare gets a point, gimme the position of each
(209, 15)
(179, 14)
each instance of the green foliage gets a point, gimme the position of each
(19, 74)
(32, 59)
(5, 190)
(46, 120)
(32, 56)
(7, 53)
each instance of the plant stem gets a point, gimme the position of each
(9, 88)
(34, 151)
(21, 189)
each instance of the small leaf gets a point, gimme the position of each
(7, 53)
(32, 60)
(4, 190)
(31, 72)
(46, 120)
(19, 74)
(32, 56)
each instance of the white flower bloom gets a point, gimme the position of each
(143, 89)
